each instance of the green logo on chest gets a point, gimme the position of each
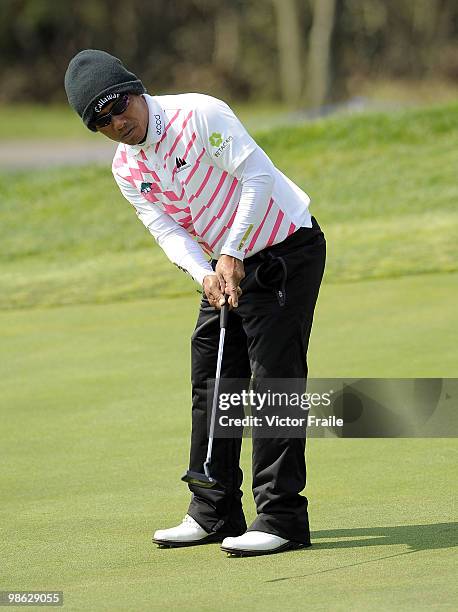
(216, 139)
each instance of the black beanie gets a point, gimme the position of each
(92, 75)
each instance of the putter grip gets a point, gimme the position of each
(223, 316)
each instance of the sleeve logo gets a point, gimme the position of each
(216, 139)
(245, 237)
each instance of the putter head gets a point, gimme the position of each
(199, 480)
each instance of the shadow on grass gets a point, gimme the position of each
(416, 537)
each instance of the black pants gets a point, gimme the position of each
(267, 336)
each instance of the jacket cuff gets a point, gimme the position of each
(233, 253)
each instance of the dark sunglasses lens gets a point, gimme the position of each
(117, 109)
(103, 121)
(120, 106)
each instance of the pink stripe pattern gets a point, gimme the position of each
(194, 168)
(177, 139)
(292, 227)
(206, 199)
(145, 170)
(258, 231)
(164, 135)
(211, 200)
(202, 185)
(223, 207)
(188, 147)
(276, 227)
(224, 229)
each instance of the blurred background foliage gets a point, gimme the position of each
(305, 53)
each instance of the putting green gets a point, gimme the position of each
(95, 422)
(367, 194)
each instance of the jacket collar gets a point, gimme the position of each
(156, 127)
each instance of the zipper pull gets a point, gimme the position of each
(281, 297)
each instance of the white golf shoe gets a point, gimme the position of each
(188, 532)
(253, 543)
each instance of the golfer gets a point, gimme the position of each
(223, 213)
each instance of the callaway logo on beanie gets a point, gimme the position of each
(93, 79)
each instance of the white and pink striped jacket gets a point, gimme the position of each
(186, 168)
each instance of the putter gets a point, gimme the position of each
(196, 478)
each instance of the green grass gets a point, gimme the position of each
(36, 122)
(60, 122)
(95, 425)
(95, 398)
(383, 188)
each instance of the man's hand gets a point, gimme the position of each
(230, 273)
(212, 289)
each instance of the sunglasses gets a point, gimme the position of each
(119, 107)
